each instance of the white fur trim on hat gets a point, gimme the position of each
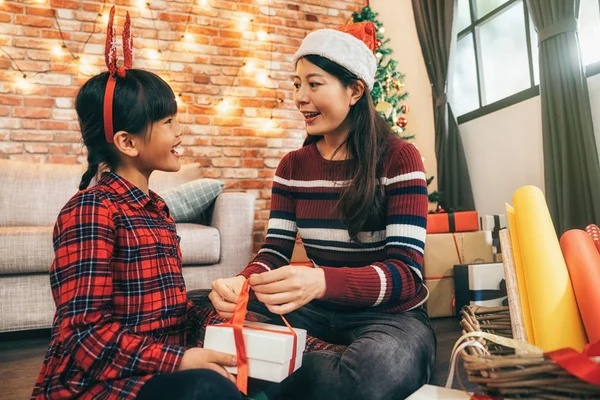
(343, 49)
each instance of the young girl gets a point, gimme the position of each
(122, 324)
(358, 198)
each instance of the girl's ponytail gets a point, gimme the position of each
(90, 173)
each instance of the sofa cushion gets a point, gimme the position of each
(25, 249)
(187, 202)
(28, 249)
(34, 194)
(199, 244)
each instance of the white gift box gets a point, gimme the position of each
(429, 392)
(269, 348)
(485, 284)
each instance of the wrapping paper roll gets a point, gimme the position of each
(520, 275)
(512, 288)
(554, 313)
(583, 262)
(594, 232)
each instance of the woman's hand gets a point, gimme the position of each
(288, 288)
(198, 358)
(225, 294)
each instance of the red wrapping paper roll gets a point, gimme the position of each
(594, 232)
(583, 263)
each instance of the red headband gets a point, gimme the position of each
(110, 57)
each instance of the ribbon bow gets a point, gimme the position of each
(237, 323)
(110, 58)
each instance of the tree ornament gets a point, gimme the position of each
(402, 122)
(384, 107)
(404, 109)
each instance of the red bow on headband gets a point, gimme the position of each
(110, 57)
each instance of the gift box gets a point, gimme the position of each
(463, 221)
(479, 284)
(429, 392)
(442, 252)
(269, 348)
(494, 223)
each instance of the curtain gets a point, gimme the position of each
(433, 19)
(571, 168)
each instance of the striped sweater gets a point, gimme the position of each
(382, 273)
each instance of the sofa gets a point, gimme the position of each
(31, 196)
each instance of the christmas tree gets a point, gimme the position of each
(388, 93)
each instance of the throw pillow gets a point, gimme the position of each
(187, 202)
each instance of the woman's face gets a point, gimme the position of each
(321, 98)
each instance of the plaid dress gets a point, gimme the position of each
(121, 309)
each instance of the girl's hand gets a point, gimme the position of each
(225, 294)
(198, 358)
(288, 288)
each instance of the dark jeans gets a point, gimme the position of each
(193, 384)
(389, 356)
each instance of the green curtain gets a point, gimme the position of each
(571, 168)
(433, 19)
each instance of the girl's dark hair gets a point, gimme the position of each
(362, 204)
(140, 99)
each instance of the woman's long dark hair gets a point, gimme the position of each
(362, 203)
(140, 99)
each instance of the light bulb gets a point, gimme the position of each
(57, 50)
(23, 84)
(104, 19)
(203, 3)
(153, 54)
(261, 35)
(244, 22)
(270, 124)
(262, 77)
(189, 37)
(382, 30)
(141, 4)
(250, 66)
(224, 106)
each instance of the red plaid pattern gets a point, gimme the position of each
(121, 308)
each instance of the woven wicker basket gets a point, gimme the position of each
(512, 376)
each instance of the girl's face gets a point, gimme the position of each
(321, 98)
(162, 148)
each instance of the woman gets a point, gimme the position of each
(357, 196)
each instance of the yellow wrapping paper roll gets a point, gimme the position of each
(516, 248)
(554, 313)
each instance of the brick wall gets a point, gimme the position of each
(204, 52)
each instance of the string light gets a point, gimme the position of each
(261, 35)
(141, 4)
(382, 30)
(58, 50)
(270, 124)
(203, 3)
(104, 19)
(250, 66)
(224, 106)
(188, 37)
(23, 84)
(243, 24)
(153, 54)
(262, 77)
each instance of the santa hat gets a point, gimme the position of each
(351, 46)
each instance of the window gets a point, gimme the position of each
(495, 60)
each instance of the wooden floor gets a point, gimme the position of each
(22, 353)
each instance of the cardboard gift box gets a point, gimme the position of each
(444, 251)
(479, 284)
(269, 348)
(462, 221)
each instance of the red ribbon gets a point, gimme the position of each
(579, 364)
(237, 323)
